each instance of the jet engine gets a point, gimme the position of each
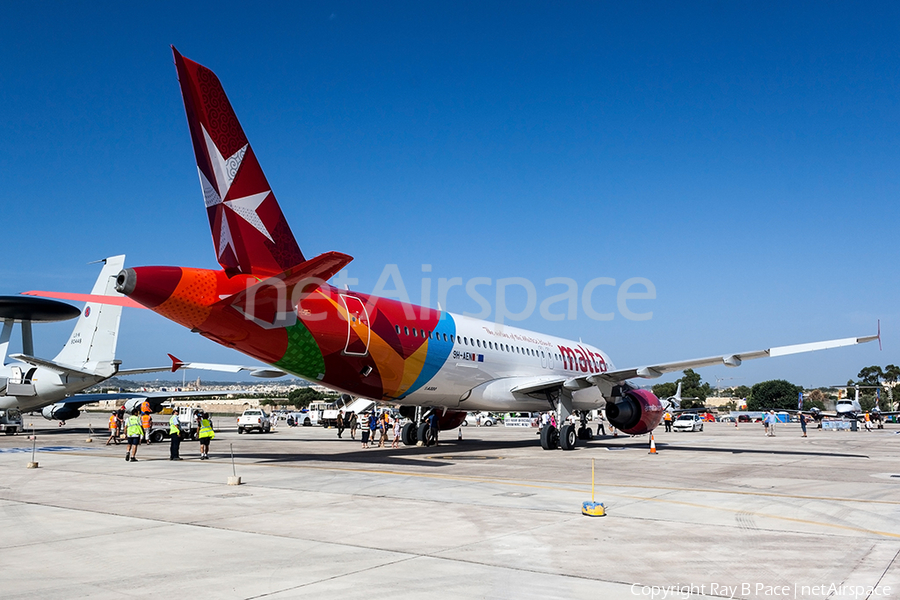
(634, 412)
(446, 420)
(59, 412)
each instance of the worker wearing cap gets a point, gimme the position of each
(145, 407)
(174, 436)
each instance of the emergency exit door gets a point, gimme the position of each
(358, 333)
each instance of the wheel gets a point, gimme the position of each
(465, 423)
(307, 423)
(567, 437)
(488, 423)
(157, 436)
(408, 434)
(549, 437)
(585, 433)
(701, 427)
(268, 429)
(423, 434)
(240, 430)
(11, 431)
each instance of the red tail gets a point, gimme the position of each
(249, 231)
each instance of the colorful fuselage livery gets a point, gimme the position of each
(270, 302)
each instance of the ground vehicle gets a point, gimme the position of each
(485, 419)
(254, 418)
(11, 421)
(688, 422)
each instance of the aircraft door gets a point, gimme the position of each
(358, 333)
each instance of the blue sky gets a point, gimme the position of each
(741, 157)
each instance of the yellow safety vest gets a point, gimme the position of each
(134, 427)
(206, 430)
(174, 425)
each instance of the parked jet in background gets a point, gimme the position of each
(30, 383)
(269, 302)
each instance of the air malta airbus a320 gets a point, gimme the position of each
(272, 303)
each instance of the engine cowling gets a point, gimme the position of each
(451, 419)
(59, 412)
(636, 412)
(446, 420)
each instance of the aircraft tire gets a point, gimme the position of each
(585, 433)
(408, 434)
(424, 434)
(567, 437)
(549, 437)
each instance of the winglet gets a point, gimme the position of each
(879, 334)
(176, 364)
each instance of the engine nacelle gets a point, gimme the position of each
(446, 420)
(59, 412)
(635, 412)
(132, 403)
(451, 419)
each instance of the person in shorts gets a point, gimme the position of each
(133, 432)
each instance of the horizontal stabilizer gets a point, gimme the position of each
(271, 302)
(49, 364)
(98, 298)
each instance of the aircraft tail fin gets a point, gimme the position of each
(97, 330)
(250, 234)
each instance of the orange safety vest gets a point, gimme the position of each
(145, 407)
(113, 421)
(145, 421)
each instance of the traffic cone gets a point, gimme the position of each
(652, 445)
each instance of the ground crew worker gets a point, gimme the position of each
(146, 424)
(206, 436)
(133, 431)
(667, 419)
(174, 436)
(113, 429)
(145, 407)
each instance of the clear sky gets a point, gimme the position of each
(741, 157)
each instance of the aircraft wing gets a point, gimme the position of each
(267, 372)
(81, 399)
(729, 360)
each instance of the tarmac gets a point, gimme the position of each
(723, 513)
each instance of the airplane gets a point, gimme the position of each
(847, 408)
(272, 303)
(30, 383)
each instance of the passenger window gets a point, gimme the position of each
(397, 327)
(466, 341)
(478, 343)
(414, 332)
(445, 337)
(406, 330)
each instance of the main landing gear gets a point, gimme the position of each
(566, 436)
(417, 430)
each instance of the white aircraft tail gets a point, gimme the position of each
(95, 335)
(674, 402)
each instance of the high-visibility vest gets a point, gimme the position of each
(145, 421)
(134, 427)
(113, 421)
(145, 407)
(174, 424)
(206, 430)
